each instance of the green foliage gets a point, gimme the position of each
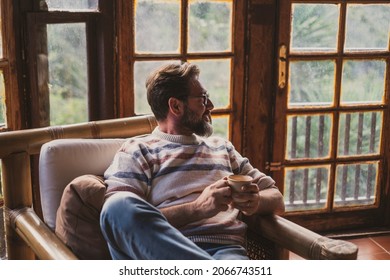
(210, 26)
(67, 110)
(67, 73)
(315, 26)
(220, 126)
(157, 27)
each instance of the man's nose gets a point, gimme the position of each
(209, 104)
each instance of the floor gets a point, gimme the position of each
(370, 248)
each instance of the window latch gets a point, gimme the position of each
(282, 66)
(273, 166)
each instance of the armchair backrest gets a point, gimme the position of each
(63, 160)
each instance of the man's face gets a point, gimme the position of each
(197, 111)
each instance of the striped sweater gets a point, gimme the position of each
(167, 169)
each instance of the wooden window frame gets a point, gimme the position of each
(357, 217)
(14, 113)
(127, 57)
(100, 55)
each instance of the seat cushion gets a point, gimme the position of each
(78, 217)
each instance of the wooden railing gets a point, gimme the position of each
(359, 141)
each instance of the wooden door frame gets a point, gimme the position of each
(335, 220)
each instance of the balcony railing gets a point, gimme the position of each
(355, 165)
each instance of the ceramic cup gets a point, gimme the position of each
(237, 181)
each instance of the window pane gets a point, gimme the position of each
(363, 82)
(215, 77)
(367, 27)
(157, 26)
(306, 188)
(142, 69)
(308, 136)
(314, 27)
(355, 184)
(71, 5)
(359, 133)
(2, 101)
(317, 92)
(210, 25)
(68, 73)
(221, 126)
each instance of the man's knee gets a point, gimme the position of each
(124, 208)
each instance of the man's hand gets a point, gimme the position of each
(252, 201)
(214, 199)
(247, 200)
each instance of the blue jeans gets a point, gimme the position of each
(135, 229)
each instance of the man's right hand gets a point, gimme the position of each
(214, 199)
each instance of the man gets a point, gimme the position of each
(168, 195)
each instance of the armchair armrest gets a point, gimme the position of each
(300, 240)
(45, 244)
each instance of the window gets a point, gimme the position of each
(333, 71)
(71, 45)
(196, 31)
(68, 73)
(66, 5)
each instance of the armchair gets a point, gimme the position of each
(68, 152)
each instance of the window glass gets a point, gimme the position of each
(367, 27)
(332, 92)
(167, 31)
(221, 126)
(360, 133)
(209, 26)
(157, 26)
(355, 184)
(70, 5)
(308, 136)
(306, 188)
(215, 77)
(2, 101)
(311, 83)
(363, 82)
(314, 27)
(68, 76)
(142, 69)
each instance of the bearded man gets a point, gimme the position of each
(167, 192)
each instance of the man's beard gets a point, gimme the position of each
(198, 126)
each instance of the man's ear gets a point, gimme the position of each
(175, 106)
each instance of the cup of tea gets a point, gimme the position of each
(237, 181)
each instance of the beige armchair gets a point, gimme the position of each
(88, 149)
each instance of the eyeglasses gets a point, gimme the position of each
(205, 96)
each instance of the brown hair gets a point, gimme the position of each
(170, 80)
